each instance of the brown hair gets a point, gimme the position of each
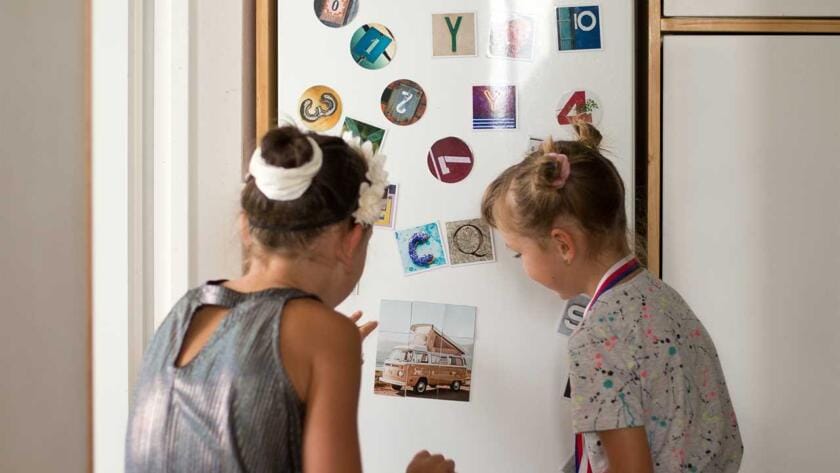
(592, 196)
(333, 196)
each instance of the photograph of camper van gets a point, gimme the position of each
(425, 350)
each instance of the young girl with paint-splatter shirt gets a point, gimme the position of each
(648, 392)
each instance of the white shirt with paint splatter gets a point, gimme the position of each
(642, 358)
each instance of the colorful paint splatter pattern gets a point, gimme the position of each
(642, 358)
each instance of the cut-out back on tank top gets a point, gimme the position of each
(232, 407)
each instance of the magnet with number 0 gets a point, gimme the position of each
(336, 13)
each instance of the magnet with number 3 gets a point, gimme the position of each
(319, 108)
(403, 102)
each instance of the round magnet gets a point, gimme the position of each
(319, 108)
(336, 13)
(403, 102)
(579, 105)
(450, 160)
(373, 46)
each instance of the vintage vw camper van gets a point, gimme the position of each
(429, 360)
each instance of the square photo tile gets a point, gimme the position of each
(453, 34)
(494, 107)
(470, 242)
(425, 350)
(421, 248)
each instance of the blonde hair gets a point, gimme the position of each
(529, 197)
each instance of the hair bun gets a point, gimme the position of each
(286, 147)
(588, 135)
(552, 171)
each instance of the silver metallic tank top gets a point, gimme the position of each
(232, 408)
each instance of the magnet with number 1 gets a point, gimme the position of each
(373, 46)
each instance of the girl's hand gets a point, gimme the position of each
(366, 328)
(425, 462)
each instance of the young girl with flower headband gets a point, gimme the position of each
(260, 373)
(648, 392)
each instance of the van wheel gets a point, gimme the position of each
(421, 386)
(396, 387)
(456, 386)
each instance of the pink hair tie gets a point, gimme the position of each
(565, 169)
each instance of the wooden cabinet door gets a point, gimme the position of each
(751, 229)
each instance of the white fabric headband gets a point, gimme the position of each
(278, 183)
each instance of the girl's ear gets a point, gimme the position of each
(564, 244)
(351, 244)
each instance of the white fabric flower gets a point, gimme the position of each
(372, 199)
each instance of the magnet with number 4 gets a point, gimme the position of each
(579, 105)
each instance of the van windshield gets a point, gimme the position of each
(400, 355)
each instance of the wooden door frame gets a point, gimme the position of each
(265, 66)
(658, 27)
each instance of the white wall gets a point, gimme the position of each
(751, 226)
(199, 128)
(167, 119)
(44, 231)
(118, 219)
(218, 131)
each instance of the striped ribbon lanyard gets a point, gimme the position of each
(613, 276)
